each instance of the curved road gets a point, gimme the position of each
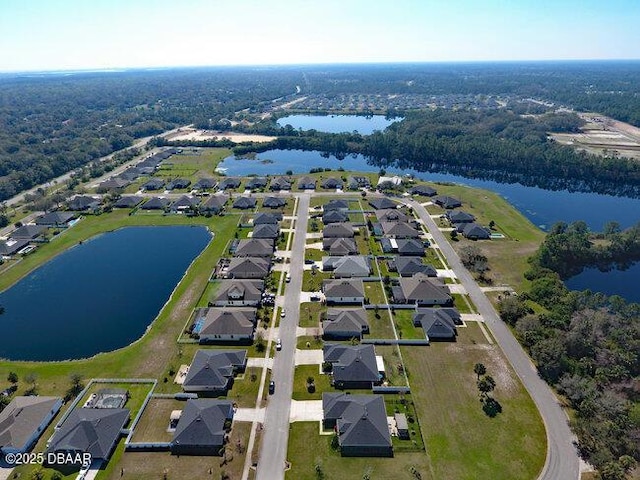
(562, 461)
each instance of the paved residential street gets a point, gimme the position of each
(562, 457)
(273, 448)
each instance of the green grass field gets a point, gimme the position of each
(300, 376)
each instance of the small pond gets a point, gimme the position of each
(612, 282)
(98, 296)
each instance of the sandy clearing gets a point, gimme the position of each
(202, 135)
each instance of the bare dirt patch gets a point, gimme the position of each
(203, 135)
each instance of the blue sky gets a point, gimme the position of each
(86, 34)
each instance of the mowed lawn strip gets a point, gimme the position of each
(464, 443)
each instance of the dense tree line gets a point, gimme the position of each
(51, 124)
(587, 345)
(568, 249)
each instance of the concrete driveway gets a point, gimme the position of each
(249, 415)
(306, 411)
(309, 357)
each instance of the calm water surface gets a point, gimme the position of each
(98, 296)
(613, 282)
(338, 123)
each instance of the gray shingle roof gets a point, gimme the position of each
(155, 203)
(248, 267)
(256, 182)
(347, 266)
(335, 205)
(185, 202)
(55, 218)
(214, 203)
(306, 183)
(423, 190)
(446, 201)
(22, 417)
(420, 288)
(399, 230)
(212, 369)
(28, 232)
(473, 230)
(90, 430)
(343, 288)
(332, 183)
(258, 247)
(410, 246)
(235, 290)
(229, 182)
(265, 231)
(351, 322)
(338, 230)
(227, 321)
(83, 202)
(154, 184)
(340, 246)
(408, 266)
(382, 203)
(267, 218)
(437, 323)
(128, 201)
(274, 202)
(392, 215)
(244, 202)
(12, 246)
(280, 183)
(204, 183)
(352, 363)
(334, 216)
(459, 216)
(202, 423)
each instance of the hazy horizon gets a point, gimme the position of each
(74, 35)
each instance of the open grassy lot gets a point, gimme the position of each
(312, 282)
(314, 254)
(508, 256)
(374, 292)
(462, 303)
(310, 314)
(154, 422)
(380, 327)
(404, 324)
(447, 402)
(308, 449)
(392, 364)
(314, 343)
(321, 381)
(193, 165)
(362, 242)
(152, 465)
(404, 404)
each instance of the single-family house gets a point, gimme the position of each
(360, 422)
(178, 184)
(340, 246)
(353, 366)
(12, 246)
(130, 174)
(128, 201)
(394, 181)
(307, 183)
(214, 204)
(211, 371)
(229, 183)
(113, 183)
(355, 182)
(338, 230)
(343, 291)
(473, 231)
(421, 290)
(409, 246)
(56, 219)
(185, 203)
(459, 216)
(202, 428)
(256, 183)
(267, 218)
(266, 231)
(423, 190)
(280, 183)
(27, 232)
(244, 203)
(447, 202)
(82, 203)
(344, 324)
(215, 324)
(238, 293)
(438, 323)
(390, 216)
(93, 431)
(153, 184)
(382, 203)
(336, 204)
(332, 183)
(334, 216)
(24, 419)
(409, 266)
(399, 230)
(205, 184)
(274, 202)
(248, 267)
(347, 266)
(156, 203)
(254, 247)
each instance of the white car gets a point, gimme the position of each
(278, 345)
(283, 313)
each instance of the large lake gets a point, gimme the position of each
(338, 123)
(542, 207)
(98, 296)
